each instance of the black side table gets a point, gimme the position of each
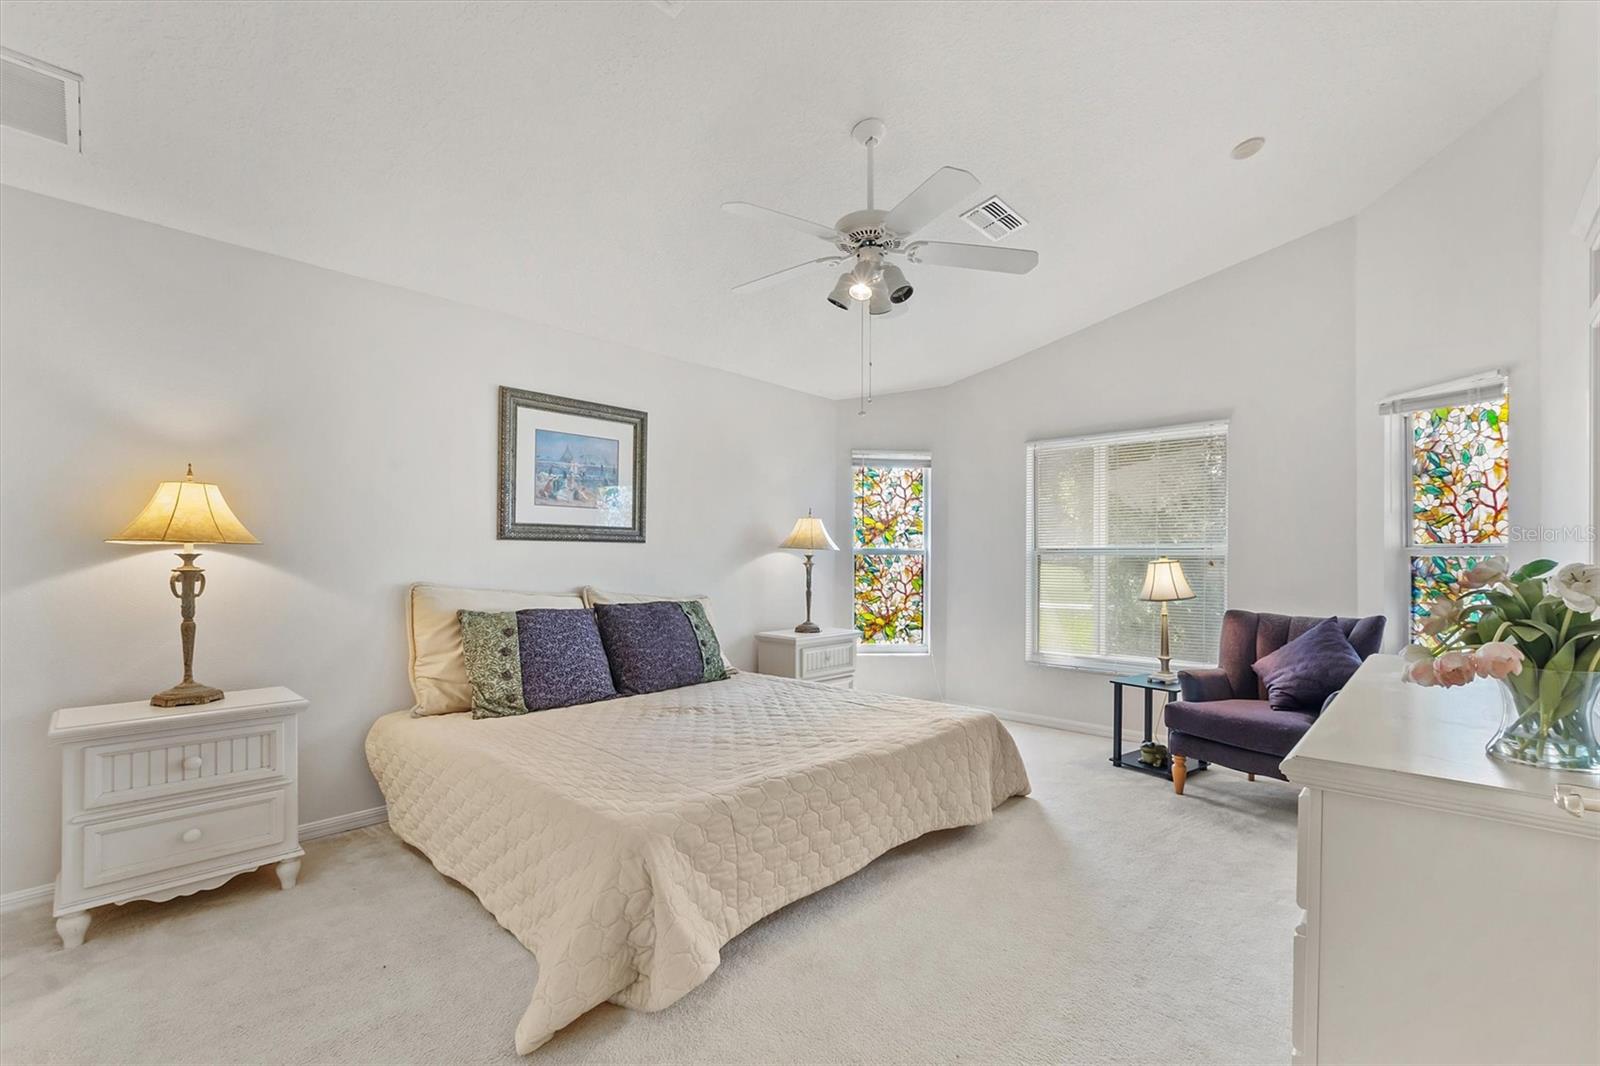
(1129, 760)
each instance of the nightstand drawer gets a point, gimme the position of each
(828, 655)
(132, 771)
(829, 660)
(122, 848)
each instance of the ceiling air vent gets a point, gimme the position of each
(994, 219)
(40, 99)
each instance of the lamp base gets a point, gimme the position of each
(808, 627)
(1164, 676)
(186, 694)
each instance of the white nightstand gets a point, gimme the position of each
(162, 802)
(828, 656)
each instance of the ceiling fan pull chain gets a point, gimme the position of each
(861, 404)
(868, 322)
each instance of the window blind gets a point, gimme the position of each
(884, 458)
(1099, 509)
(1462, 392)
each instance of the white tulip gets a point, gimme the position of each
(1578, 585)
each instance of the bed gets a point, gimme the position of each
(624, 842)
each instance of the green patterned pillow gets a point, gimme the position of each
(710, 649)
(532, 660)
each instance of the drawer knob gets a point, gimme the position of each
(190, 836)
(193, 762)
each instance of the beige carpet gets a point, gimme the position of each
(1103, 919)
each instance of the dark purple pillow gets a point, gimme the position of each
(563, 660)
(658, 645)
(1302, 674)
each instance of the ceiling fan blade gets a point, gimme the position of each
(942, 191)
(766, 280)
(767, 214)
(973, 256)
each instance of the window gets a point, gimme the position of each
(1456, 482)
(891, 550)
(1099, 509)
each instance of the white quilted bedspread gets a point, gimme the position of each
(625, 842)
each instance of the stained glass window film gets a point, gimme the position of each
(890, 506)
(1435, 577)
(890, 535)
(1459, 474)
(889, 605)
(1099, 509)
(1459, 493)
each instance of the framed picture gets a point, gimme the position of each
(570, 469)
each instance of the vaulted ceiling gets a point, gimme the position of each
(564, 163)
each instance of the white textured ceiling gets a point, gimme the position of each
(565, 162)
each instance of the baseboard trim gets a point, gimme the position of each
(343, 823)
(325, 827)
(1068, 725)
(25, 897)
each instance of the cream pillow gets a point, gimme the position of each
(593, 596)
(438, 660)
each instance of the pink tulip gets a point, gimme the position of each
(1488, 572)
(1499, 660)
(1441, 616)
(1420, 672)
(1455, 668)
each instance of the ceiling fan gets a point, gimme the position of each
(869, 240)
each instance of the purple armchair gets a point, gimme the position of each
(1223, 716)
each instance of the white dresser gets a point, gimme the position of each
(161, 802)
(1451, 902)
(828, 656)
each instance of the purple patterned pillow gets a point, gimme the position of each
(659, 645)
(533, 660)
(563, 661)
(1301, 675)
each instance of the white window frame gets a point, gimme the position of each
(1110, 664)
(1475, 389)
(881, 457)
(1587, 227)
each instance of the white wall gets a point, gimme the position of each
(1570, 383)
(1447, 283)
(1267, 344)
(353, 427)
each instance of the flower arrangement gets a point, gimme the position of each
(1538, 636)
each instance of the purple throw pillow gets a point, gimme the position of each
(658, 645)
(563, 660)
(1301, 675)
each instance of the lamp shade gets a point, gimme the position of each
(809, 534)
(1164, 580)
(185, 512)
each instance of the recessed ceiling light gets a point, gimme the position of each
(1248, 147)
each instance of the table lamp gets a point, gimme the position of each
(1163, 583)
(186, 512)
(809, 535)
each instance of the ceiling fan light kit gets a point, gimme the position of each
(866, 239)
(895, 284)
(840, 296)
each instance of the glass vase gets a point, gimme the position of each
(1551, 719)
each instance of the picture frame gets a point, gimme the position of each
(570, 469)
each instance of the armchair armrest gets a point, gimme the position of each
(1203, 686)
